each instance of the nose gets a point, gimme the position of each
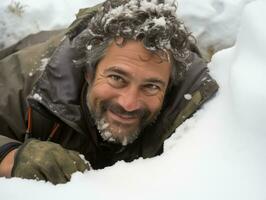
(129, 99)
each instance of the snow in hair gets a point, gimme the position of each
(154, 22)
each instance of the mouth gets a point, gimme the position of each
(122, 118)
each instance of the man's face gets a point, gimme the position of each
(127, 92)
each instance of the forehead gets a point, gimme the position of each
(134, 56)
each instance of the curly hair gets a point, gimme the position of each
(154, 22)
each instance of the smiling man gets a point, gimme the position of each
(127, 92)
(116, 85)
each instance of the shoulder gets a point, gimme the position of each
(197, 88)
(29, 41)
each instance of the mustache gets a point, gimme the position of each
(141, 113)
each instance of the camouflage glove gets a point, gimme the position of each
(47, 161)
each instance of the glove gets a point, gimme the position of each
(47, 161)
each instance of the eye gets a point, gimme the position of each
(151, 89)
(116, 81)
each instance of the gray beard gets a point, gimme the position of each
(109, 136)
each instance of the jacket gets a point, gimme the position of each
(43, 96)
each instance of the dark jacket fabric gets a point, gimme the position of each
(43, 94)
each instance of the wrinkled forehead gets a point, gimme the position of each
(134, 58)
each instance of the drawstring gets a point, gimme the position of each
(29, 127)
(54, 129)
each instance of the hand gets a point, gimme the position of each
(47, 161)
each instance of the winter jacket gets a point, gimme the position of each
(43, 96)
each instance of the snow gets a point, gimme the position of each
(130, 8)
(41, 15)
(160, 21)
(187, 96)
(44, 62)
(214, 23)
(37, 97)
(217, 154)
(149, 5)
(89, 47)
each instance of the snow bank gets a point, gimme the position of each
(36, 16)
(217, 154)
(214, 23)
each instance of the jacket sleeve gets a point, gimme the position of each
(7, 147)
(12, 104)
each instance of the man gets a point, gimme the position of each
(116, 84)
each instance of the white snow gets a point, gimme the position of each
(188, 96)
(44, 62)
(89, 47)
(132, 6)
(213, 22)
(37, 15)
(37, 97)
(149, 5)
(160, 21)
(220, 152)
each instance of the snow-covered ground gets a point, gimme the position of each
(217, 154)
(36, 16)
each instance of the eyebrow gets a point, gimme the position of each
(116, 69)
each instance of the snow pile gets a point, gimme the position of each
(18, 18)
(214, 23)
(220, 152)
